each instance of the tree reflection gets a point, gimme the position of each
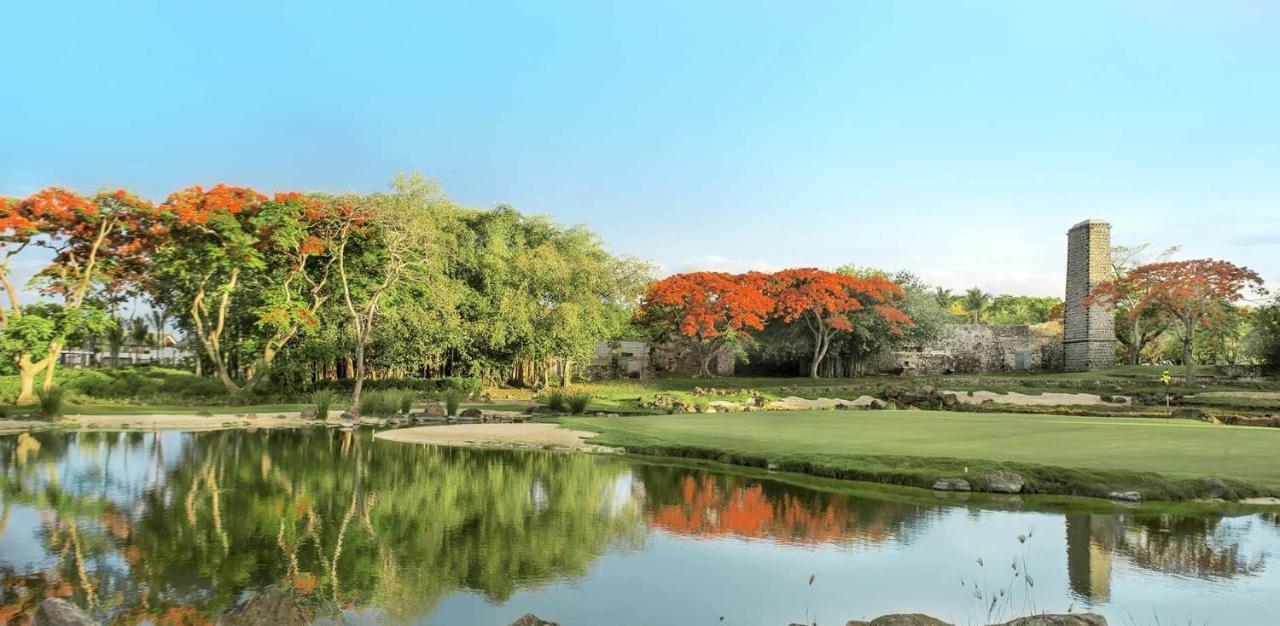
(341, 521)
(705, 504)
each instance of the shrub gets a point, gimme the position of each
(578, 403)
(556, 401)
(381, 403)
(470, 388)
(50, 401)
(701, 405)
(322, 400)
(452, 398)
(406, 402)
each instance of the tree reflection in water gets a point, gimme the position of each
(174, 528)
(340, 520)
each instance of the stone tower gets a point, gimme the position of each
(1089, 337)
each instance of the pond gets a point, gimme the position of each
(175, 527)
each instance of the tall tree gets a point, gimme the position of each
(976, 302)
(712, 309)
(230, 254)
(1194, 294)
(381, 242)
(827, 301)
(89, 239)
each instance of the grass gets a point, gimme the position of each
(1166, 460)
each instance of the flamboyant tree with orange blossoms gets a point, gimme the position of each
(229, 252)
(1195, 293)
(93, 240)
(827, 303)
(713, 309)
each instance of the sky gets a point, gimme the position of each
(958, 140)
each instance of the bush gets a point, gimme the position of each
(701, 405)
(380, 403)
(406, 402)
(452, 399)
(556, 401)
(322, 400)
(50, 401)
(578, 403)
(470, 388)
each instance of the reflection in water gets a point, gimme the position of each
(706, 504)
(1184, 546)
(174, 528)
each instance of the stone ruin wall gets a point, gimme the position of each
(982, 348)
(1089, 334)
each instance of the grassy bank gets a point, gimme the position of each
(1055, 454)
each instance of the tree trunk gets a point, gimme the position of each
(704, 359)
(360, 372)
(1187, 346)
(55, 350)
(27, 385)
(1135, 349)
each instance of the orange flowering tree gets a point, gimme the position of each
(713, 309)
(829, 303)
(232, 257)
(92, 241)
(1194, 294)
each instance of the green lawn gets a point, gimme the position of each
(1079, 455)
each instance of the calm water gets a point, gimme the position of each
(178, 526)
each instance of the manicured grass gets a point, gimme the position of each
(1057, 454)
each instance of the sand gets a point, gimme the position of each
(1044, 399)
(542, 436)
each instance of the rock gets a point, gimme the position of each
(951, 484)
(1216, 489)
(471, 413)
(1125, 496)
(1002, 481)
(309, 413)
(529, 619)
(878, 404)
(348, 416)
(269, 606)
(1074, 619)
(950, 400)
(911, 619)
(59, 612)
(434, 409)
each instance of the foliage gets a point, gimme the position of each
(713, 309)
(1264, 337)
(557, 401)
(322, 399)
(975, 303)
(830, 303)
(452, 400)
(50, 401)
(381, 403)
(577, 403)
(1195, 294)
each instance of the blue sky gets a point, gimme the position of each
(959, 140)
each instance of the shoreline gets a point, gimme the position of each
(523, 436)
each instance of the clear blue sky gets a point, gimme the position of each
(959, 140)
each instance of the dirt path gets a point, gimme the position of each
(543, 436)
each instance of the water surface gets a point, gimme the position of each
(176, 527)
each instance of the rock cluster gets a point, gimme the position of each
(920, 397)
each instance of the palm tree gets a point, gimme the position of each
(976, 302)
(943, 297)
(159, 318)
(139, 332)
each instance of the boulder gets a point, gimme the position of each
(269, 606)
(59, 612)
(1002, 481)
(348, 416)
(950, 400)
(1126, 496)
(434, 409)
(951, 484)
(471, 413)
(1074, 619)
(878, 404)
(910, 619)
(529, 619)
(309, 413)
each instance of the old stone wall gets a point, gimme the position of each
(983, 348)
(639, 359)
